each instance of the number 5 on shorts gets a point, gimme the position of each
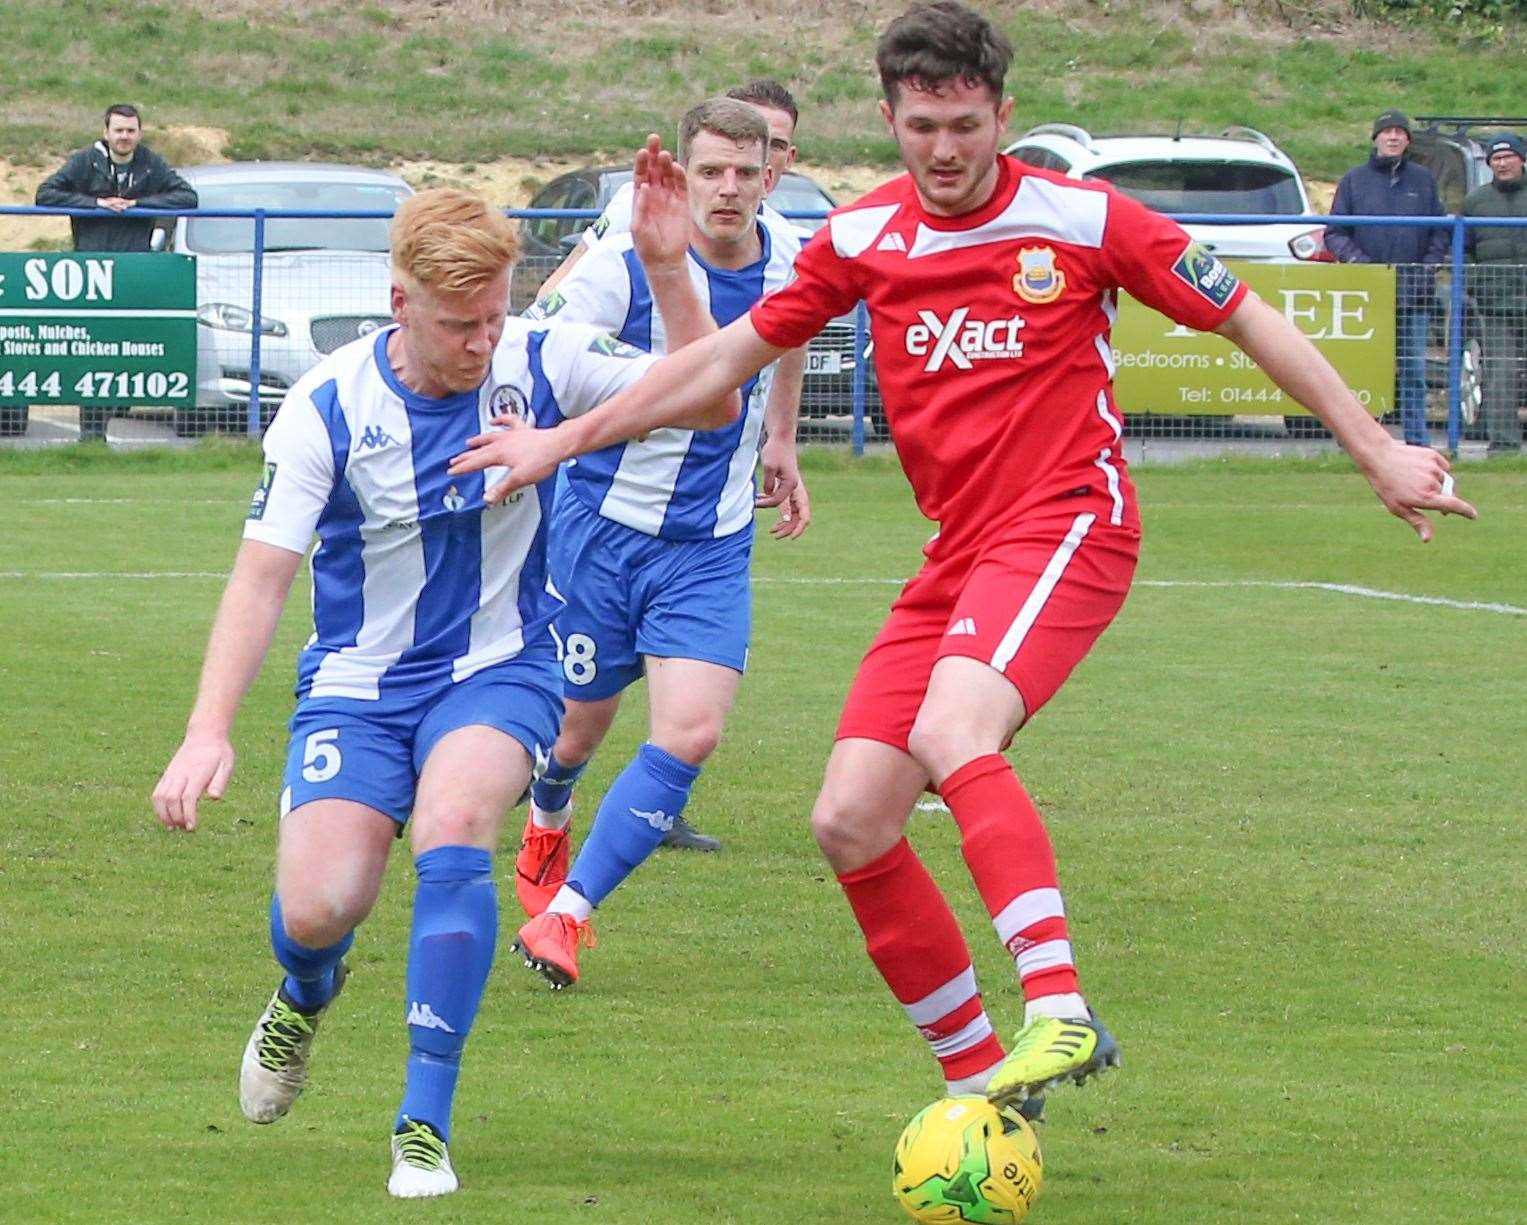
(320, 756)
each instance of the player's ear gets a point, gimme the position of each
(889, 116)
(1004, 110)
(399, 301)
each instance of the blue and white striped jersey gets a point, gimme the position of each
(676, 484)
(416, 582)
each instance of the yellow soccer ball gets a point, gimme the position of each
(964, 1159)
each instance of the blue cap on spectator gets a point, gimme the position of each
(1391, 119)
(1506, 142)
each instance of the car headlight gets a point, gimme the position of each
(230, 317)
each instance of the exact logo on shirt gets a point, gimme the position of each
(961, 341)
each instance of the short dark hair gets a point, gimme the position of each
(126, 109)
(932, 45)
(725, 117)
(764, 92)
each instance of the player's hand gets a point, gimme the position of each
(528, 454)
(782, 486)
(116, 204)
(1411, 479)
(201, 766)
(660, 214)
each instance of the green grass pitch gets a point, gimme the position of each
(1289, 823)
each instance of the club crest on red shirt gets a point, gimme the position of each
(1038, 280)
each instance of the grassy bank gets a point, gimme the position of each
(478, 80)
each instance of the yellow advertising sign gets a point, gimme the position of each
(1347, 310)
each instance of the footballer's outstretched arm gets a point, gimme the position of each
(1406, 479)
(660, 237)
(241, 635)
(697, 384)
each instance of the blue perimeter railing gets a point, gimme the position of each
(1456, 224)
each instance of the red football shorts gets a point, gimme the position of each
(1029, 601)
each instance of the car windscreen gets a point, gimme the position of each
(801, 196)
(1240, 188)
(228, 235)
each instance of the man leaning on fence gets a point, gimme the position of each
(119, 174)
(1498, 286)
(1389, 184)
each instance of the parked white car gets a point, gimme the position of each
(324, 280)
(1240, 171)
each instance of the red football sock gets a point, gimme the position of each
(916, 944)
(1010, 858)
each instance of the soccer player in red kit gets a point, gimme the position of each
(992, 287)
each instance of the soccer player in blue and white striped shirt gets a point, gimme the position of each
(430, 688)
(651, 547)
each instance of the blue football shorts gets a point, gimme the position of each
(631, 595)
(374, 752)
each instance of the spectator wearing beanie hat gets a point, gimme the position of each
(1498, 286)
(1389, 184)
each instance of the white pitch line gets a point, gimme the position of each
(1365, 593)
(112, 574)
(120, 502)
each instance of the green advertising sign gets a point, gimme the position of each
(1347, 310)
(100, 328)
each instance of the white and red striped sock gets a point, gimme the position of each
(1010, 858)
(916, 944)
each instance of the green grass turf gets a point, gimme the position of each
(1288, 821)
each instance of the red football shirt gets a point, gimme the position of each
(992, 331)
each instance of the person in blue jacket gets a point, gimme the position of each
(1389, 184)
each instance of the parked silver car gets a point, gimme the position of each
(324, 280)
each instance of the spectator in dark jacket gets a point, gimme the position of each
(117, 173)
(1388, 184)
(1498, 285)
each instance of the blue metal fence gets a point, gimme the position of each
(1455, 339)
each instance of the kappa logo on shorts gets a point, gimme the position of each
(962, 341)
(1206, 274)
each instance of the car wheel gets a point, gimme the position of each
(13, 420)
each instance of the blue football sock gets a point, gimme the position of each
(636, 812)
(449, 955)
(309, 982)
(552, 791)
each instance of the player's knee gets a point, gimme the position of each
(937, 744)
(321, 918)
(578, 740)
(691, 743)
(839, 826)
(454, 824)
